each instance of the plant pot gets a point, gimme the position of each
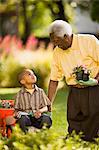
(85, 77)
(79, 75)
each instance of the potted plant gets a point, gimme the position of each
(81, 72)
(86, 75)
(5, 104)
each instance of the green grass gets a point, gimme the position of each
(8, 93)
(58, 110)
(54, 139)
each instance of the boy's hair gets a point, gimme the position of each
(22, 73)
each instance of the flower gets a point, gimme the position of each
(6, 104)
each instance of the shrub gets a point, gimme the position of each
(1, 71)
(45, 140)
(39, 61)
(10, 70)
(14, 56)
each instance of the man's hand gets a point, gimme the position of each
(90, 82)
(49, 108)
(97, 77)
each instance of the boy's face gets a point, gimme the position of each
(28, 77)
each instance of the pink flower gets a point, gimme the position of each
(31, 42)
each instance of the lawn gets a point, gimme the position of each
(54, 139)
(58, 110)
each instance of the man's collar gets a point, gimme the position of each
(74, 41)
(23, 89)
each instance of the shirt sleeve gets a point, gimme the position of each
(45, 100)
(56, 69)
(17, 98)
(94, 49)
(95, 52)
(97, 49)
(91, 58)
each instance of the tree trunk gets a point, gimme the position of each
(26, 22)
(61, 14)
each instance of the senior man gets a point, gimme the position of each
(83, 100)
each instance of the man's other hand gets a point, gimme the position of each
(90, 82)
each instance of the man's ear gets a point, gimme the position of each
(22, 81)
(66, 35)
(52, 35)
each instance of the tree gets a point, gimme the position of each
(89, 5)
(34, 16)
(95, 10)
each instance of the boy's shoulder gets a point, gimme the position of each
(38, 88)
(20, 91)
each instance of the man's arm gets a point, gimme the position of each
(52, 89)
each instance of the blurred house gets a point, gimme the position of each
(8, 23)
(84, 23)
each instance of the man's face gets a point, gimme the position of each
(29, 77)
(63, 43)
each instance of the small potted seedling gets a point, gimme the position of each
(81, 73)
(86, 75)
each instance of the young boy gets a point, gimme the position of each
(31, 103)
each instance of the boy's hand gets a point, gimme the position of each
(17, 115)
(37, 114)
(90, 82)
